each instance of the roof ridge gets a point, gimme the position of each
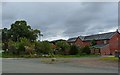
(100, 33)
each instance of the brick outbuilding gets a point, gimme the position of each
(106, 43)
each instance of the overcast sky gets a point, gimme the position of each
(62, 20)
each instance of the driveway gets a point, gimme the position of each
(73, 65)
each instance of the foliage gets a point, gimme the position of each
(4, 35)
(24, 46)
(38, 47)
(74, 50)
(85, 50)
(12, 47)
(110, 59)
(76, 56)
(93, 42)
(43, 47)
(20, 29)
(63, 47)
(19, 38)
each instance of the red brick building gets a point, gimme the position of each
(106, 43)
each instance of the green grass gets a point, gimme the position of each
(0, 55)
(9, 56)
(109, 58)
(74, 56)
(54, 56)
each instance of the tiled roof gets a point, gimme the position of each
(82, 37)
(96, 37)
(99, 36)
(72, 39)
(99, 46)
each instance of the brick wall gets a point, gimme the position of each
(105, 50)
(79, 42)
(86, 43)
(114, 43)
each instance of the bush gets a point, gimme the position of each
(12, 47)
(24, 46)
(43, 47)
(63, 47)
(74, 50)
(85, 50)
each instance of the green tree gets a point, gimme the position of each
(24, 46)
(86, 50)
(44, 47)
(4, 35)
(4, 39)
(21, 29)
(38, 47)
(74, 50)
(63, 47)
(93, 42)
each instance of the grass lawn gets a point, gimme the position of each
(54, 56)
(109, 58)
(0, 55)
(74, 56)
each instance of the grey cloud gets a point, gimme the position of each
(93, 18)
(63, 19)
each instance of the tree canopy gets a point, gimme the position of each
(20, 29)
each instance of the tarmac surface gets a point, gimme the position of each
(72, 65)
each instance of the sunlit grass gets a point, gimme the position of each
(110, 58)
(74, 56)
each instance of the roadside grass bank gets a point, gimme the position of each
(76, 56)
(3, 55)
(0, 55)
(109, 59)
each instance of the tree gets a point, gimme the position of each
(24, 46)
(93, 42)
(20, 38)
(20, 29)
(86, 50)
(63, 47)
(43, 47)
(5, 39)
(38, 47)
(4, 35)
(74, 50)
(12, 47)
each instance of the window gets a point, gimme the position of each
(105, 41)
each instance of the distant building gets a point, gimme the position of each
(106, 43)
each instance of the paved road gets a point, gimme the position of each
(35, 66)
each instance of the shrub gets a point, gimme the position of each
(74, 50)
(85, 50)
(43, 47)
(93, 42)
(24, 46)
(63, 47)
(12, 47)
